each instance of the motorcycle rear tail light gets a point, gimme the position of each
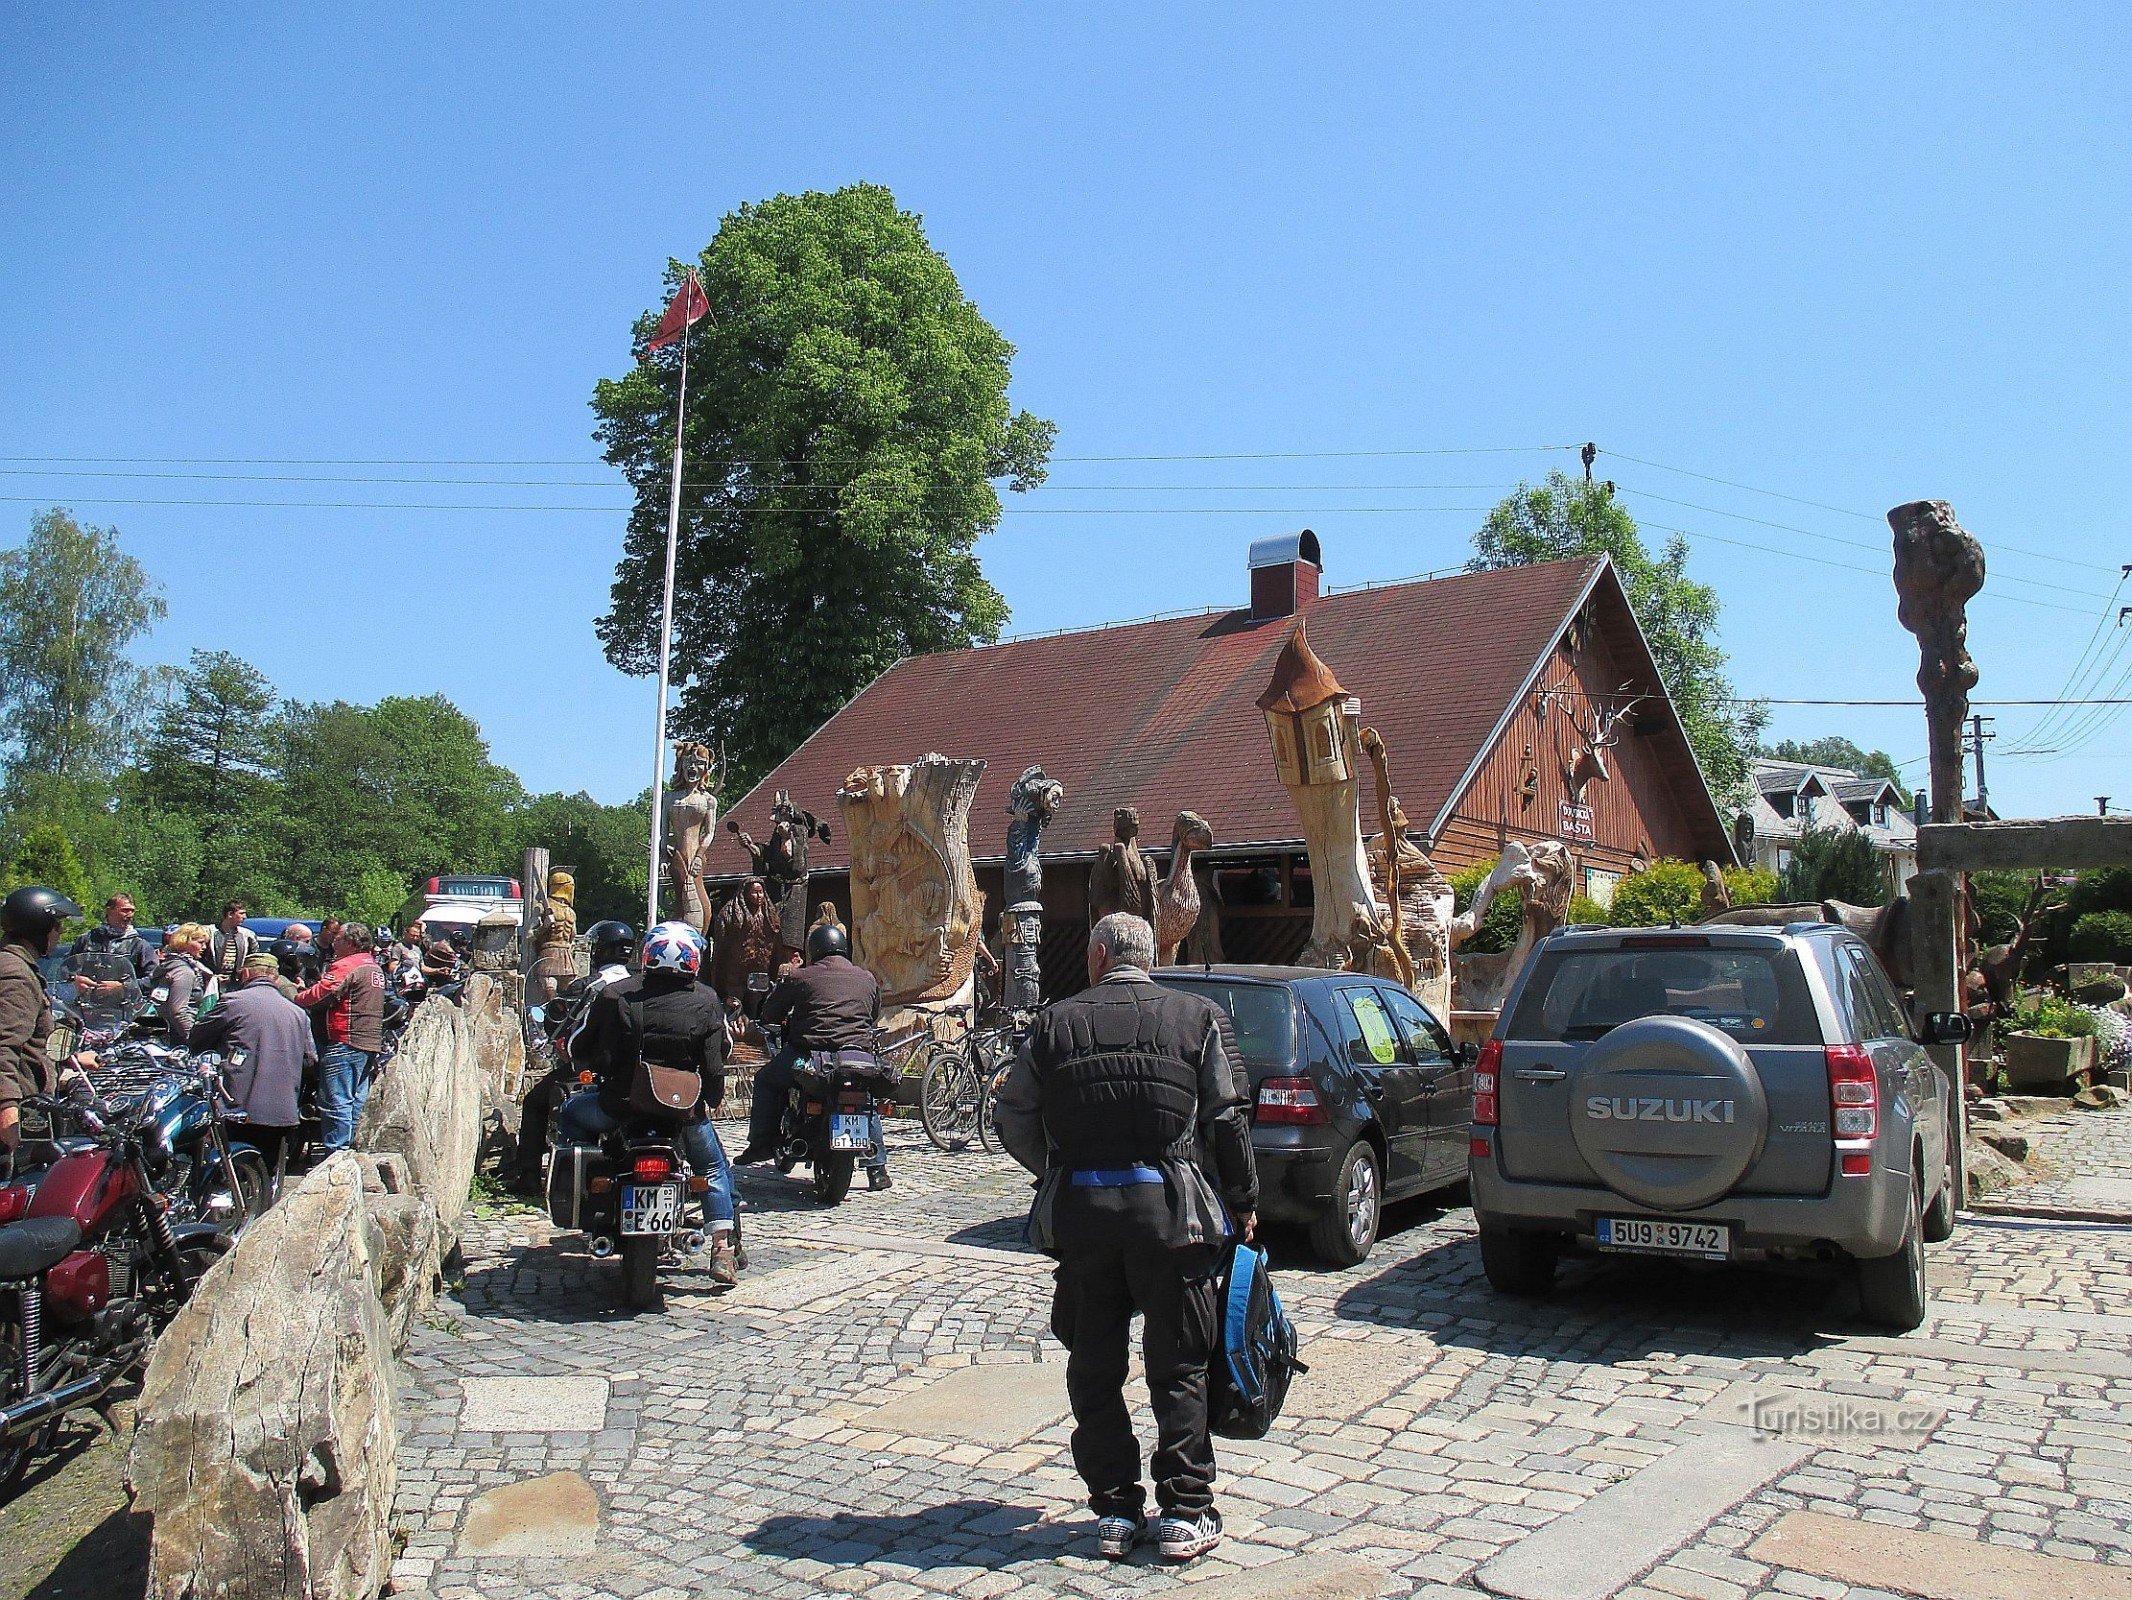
(1293, 1101)
(653, 1168)
(1486, 1072)
(814, 1108)
(14, 1204)
(1853, 1091)
(598, 1185)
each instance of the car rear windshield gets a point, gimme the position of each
(1263, 1015)
(1756, 996)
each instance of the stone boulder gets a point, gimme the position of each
(1988, 1172)
(409, 1253)
(2013, 1146)
(427, 1107)
(265, 1443)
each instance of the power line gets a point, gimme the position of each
(747, 461)
(766, 511)
(1914, 705)
(2076, 680)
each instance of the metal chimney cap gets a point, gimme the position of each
(1285, 549)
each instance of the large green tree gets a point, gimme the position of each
(374, 796)
(1566, 517)
(847, 424)
(210, 758)
(71, 603)
(609, 847)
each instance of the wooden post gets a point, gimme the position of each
(1936, 970)
(535, 903)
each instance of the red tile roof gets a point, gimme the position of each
(1162, 714)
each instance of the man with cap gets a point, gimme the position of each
(266, 1042)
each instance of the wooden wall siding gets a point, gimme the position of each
(1636, 806)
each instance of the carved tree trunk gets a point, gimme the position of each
(1347, 914)
(915, 910)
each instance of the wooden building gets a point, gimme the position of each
(1485, 686)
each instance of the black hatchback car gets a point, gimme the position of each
(1358, 1096)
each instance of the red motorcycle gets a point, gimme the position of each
(91, 1269)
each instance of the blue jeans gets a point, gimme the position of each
(583, 1120)
(343, 1090)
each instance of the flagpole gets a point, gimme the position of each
(666, 636)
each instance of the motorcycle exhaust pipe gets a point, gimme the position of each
(692, 1242)
(26, 1415)
(602, 1246)
(796, 1149)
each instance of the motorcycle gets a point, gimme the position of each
(829, 1118)
(206, 1173)
(627, 1192)
(89, 1274)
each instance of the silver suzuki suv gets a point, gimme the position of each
(1715, 1094)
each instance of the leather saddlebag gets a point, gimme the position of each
(664, 1091)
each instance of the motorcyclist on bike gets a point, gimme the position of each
(665, 1017)
(828, 1004)
(613, 946)
(30, 921)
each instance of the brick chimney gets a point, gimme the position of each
(1284, 574)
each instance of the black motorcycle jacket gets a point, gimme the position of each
(665, 1018)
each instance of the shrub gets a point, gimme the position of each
(1499, 929)
(2051, 1017)
(1831, 865)
(1750, 886)
(1667, 891)
(1589, 913)
(2101, 936)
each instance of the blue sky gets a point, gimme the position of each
(1854, 255)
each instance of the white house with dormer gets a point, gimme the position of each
(1791, 797)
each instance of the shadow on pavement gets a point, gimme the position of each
(110, 1563)
(963, 1533)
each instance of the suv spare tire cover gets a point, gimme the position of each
(1668, 1111)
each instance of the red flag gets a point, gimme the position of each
(687, 305)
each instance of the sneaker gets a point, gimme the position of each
(1182, 1538)
(1116, 1536)
(725, 1269)
(877, 1179)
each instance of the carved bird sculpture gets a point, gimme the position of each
(1177, 900)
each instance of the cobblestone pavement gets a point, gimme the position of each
(880, 1408)
(2085, 1162)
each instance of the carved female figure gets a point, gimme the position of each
(691, 812)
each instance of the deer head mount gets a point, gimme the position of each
(1596, 734)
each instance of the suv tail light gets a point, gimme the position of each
(1486, 1071)
(652, 1169)
(1293, 1101)
(1853, 1092)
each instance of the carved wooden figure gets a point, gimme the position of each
(743, 940)
(1314, 725)
(690, 815)
(555, 958)
(1716, 897)
(1388, 863)
(915, 911)
(1032, 802)
(1122, 879)
(1177, 902)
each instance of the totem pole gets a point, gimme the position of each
(1032, 802)
(1939, 568)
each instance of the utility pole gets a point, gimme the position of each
(1591, 454)
(1977, 736)
(2102, 805)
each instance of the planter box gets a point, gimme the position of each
(2034, 1062)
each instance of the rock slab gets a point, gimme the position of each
(426, 1106)
(1868, 1555)
(266, 1437)
(558, 1515)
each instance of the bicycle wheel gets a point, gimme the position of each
(994, 1058)
(947, 1100)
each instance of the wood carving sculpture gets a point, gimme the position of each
(690, 815)
(1314, 726)
(1939, 568)
(555, 954)
(916, 914)
(1388, 862)
(1122, 879)
(1032, 802)
(1177, 901)
(1717, 899)
(743, 940)
(781, 863)
(1428, 919)
(1544, 883)
(2001, 963)
(1587, 761)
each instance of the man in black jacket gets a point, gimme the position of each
(829, 1004)
(1120, 1101)
(667, 1018)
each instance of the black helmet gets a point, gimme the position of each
(34, 911)
(288, 955)
(829, 939)
(612, 941)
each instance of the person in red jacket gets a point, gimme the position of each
(350, 995)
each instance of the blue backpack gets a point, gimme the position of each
(1255, 1353)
